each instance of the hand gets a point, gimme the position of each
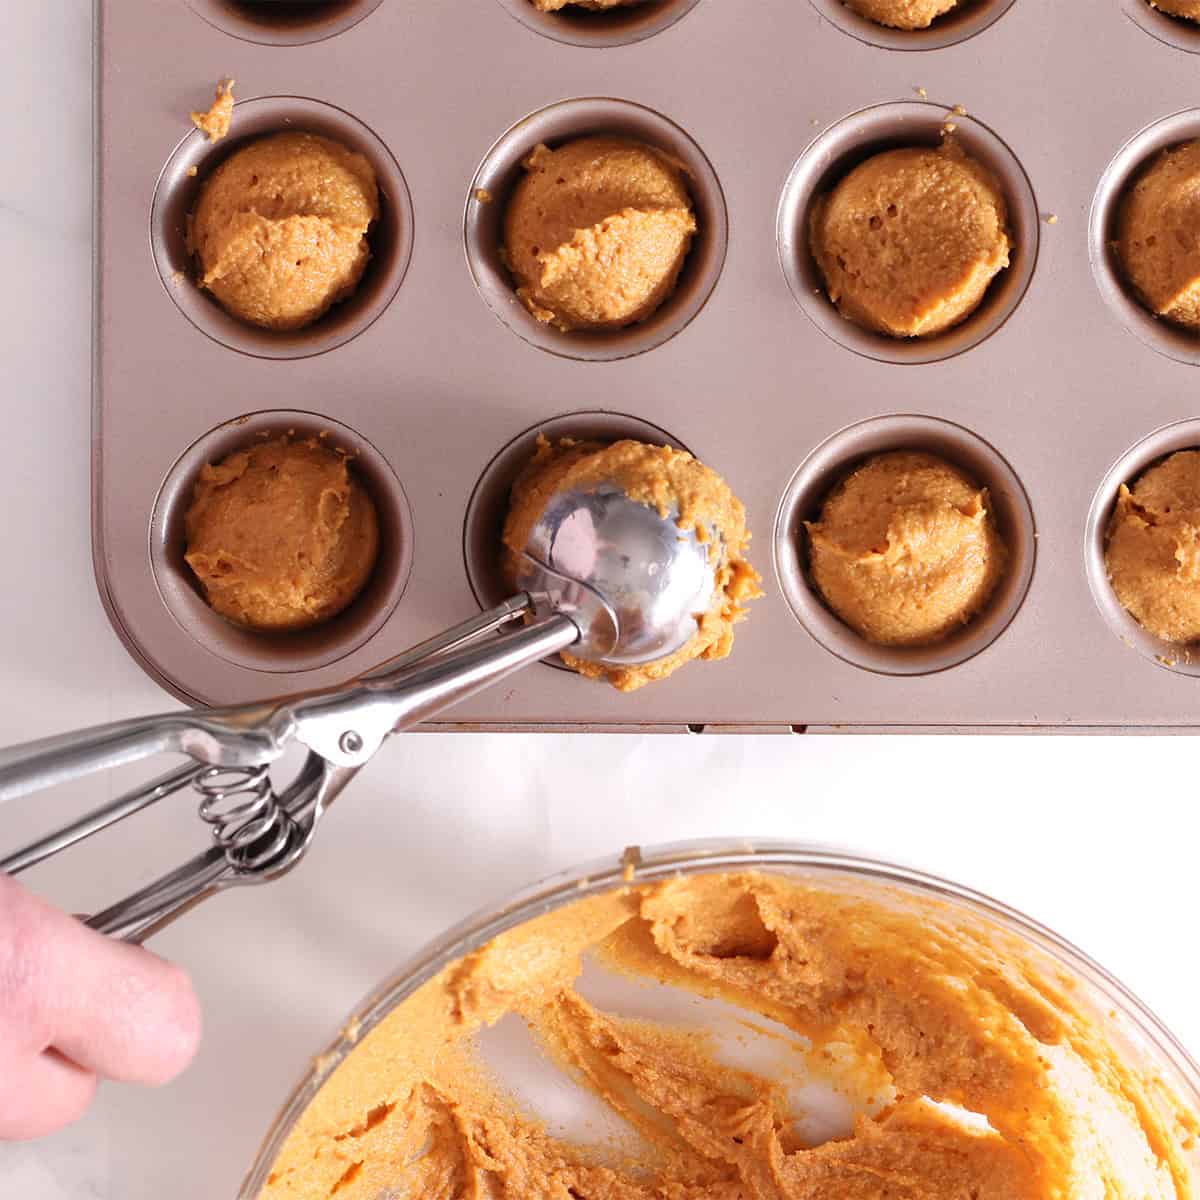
(76, 1007)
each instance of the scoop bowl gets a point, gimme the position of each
(631, 578)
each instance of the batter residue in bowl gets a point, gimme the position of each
(979, 1073)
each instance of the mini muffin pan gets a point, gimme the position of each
(1058, 389)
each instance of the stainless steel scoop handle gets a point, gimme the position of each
(621, 581)
(258, 835)
(395, 696)
(348, 727)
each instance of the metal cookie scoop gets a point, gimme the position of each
(602, 575)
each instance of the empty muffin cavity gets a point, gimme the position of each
(834, 461)
(283, 22)
(1130, 164)
(964, 20)
(483, 528)
(180, 186)
(617, 24)
(568, 121)
(1155, 448)
(302, 649)
(847, 144)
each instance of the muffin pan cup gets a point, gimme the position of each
(834, 153)
(832, 462)
(1135, 462)
(487, 509)
(438, 387)
(1177, 32)
(182, 182)
(1126, 167)
(501, 171)
(283, 22)
(620, 26)
(956, 26)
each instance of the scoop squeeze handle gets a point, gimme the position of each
(231, 737)
(347, 728)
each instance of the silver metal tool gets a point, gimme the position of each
(615, 581)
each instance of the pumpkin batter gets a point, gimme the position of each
(1158, 235)
(664, 479)
(594, 5)
(281, 535)
(902, 14)
(906, 550)
(982, 1074)
(280, 230)
(909, 241)
(1178, 8)
(1153, 548)
(597, 232)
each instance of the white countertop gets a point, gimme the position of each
(1096, 837)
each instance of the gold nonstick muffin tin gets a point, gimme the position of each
(1055, 391)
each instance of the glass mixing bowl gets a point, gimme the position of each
(1129, 1026)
